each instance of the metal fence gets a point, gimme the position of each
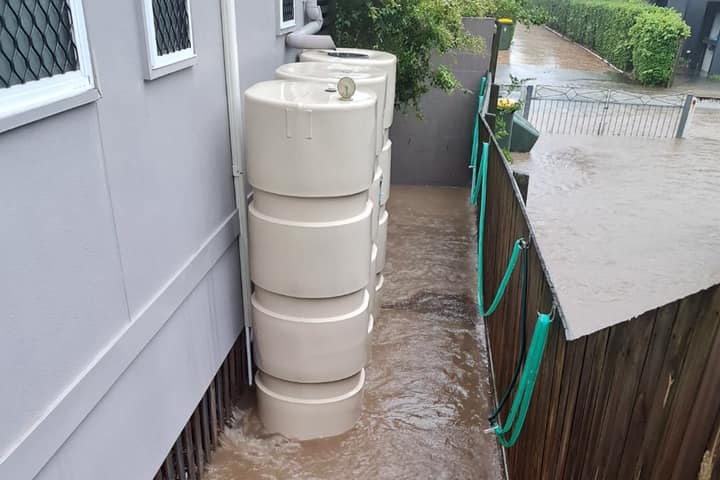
(592, 111)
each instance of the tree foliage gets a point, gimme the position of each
(415, 31)
(522, 11)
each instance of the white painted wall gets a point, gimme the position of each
(119, 279)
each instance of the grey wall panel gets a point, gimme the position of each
(134, 426)
(261, 49)
(166, 144)
(435, 150)
(61, 293)
(112, 214)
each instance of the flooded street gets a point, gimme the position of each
(428, 391)
(627, 224)
(541, 55)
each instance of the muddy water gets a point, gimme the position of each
(544, 58)
(627, 224)
(428, 390)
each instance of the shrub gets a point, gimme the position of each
(519, 10)
(414, 30)
(655, 37)
(478, 8)
(632, 35)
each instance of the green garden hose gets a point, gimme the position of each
(481, 185)
(521, 403)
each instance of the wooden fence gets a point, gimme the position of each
(199, 438)
(639, 400)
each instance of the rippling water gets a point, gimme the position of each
(428, 392)
(627, 224)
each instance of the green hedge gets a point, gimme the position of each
(633, 35)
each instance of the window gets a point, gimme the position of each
(45, 62)
(286, 10)
(168, 28)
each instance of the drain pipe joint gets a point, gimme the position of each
(305, 37)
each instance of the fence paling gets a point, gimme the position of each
(193, 448)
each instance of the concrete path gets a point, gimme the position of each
(428, 389)
(549, 59)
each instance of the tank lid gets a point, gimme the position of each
(351, 56)
(330, 72)
(306, 94)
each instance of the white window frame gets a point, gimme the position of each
(283, 26)
(26, 102)
(160, 65)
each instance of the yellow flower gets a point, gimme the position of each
(505, 103)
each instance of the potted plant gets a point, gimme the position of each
(506, 108)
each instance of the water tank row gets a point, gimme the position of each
(319, 166)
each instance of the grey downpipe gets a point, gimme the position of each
(234, 99)
(304, 37)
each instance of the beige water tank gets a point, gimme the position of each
(379, 284)
(382, 239)
(305, 411)
(385, 165)
(303, 140)
(310, 247)
(365, 77)
(376, 199)
(312, 162)
(311, 340)
(371, 327)
(355, 56)
(372, 274)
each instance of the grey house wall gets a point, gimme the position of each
(435, 150)
(694, 13)
(119, 287)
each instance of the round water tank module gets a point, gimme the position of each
(365, 77)
(305, 411)
(382, 239)
(309, 247)
(371, 326)
(375, 197)
(372, 276)
(385, 161)
(302, 140)
(356, 56)
(310, 340)
(379, 283)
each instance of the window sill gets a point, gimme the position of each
(50, 108)
(286, 30)
(161, 71)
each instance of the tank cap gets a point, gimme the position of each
(346, 88)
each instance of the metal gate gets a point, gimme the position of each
(592, 111)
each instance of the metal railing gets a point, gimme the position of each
(592, 111)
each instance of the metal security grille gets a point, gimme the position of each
(288, 10)
(172, 26)
(36, 40)
(592, 111)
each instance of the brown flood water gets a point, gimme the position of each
(428, 390)
(627, 224)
